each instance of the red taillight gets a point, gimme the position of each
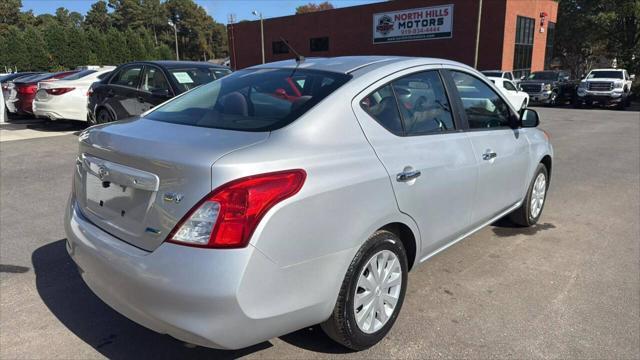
(227, 217)
(26, 89)
(58, 91)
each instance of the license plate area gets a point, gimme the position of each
(117, 197)
(114, 202)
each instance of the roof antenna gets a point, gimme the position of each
(299, 58)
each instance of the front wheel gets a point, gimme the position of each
(372, 293)
(529, 212)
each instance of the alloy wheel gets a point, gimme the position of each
(538, 195)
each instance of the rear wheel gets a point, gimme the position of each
(104, 116)
(529, 212)
(372, 293)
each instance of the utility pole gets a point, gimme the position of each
(475, 59)
(259, 14)
(175, 32)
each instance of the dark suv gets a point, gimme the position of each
(136, 87)
(549, 87)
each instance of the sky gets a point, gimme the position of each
(219, 9)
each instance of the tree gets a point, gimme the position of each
(98, 16)
(35, 52)
(313, 7)
(618, 24)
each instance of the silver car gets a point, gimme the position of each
(297, 193)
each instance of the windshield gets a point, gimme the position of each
(492, 73)
(79, 75)
(543, 75)
(605, 75)
(251, 100)
(188, 79)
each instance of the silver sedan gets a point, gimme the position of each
(298, 193)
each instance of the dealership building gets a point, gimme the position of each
(501, 34)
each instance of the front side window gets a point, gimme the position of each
(129, 77)
(509, 85)
(251, 100)
(484, 107)
(382, 106)
(423, 103)
(154, 80)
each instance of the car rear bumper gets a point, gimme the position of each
(206, 297)
(53, 110)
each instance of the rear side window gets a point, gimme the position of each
(251, 100)
(381, 105)
(423, 103)
(483, 107)
(129, 77)
(412, 105)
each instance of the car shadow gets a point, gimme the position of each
(114, 336)
(506, 228)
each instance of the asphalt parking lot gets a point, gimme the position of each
(566, 288)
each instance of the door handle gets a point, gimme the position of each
(408, 175)
(489, 154)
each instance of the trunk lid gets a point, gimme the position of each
(136, 179)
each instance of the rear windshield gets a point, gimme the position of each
(492, 73)
(188, 79)
(543, 75)
(605, 75)
(79, 75)
(251, 100)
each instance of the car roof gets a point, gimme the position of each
(609, 69)
(350, 64)
(174, 64)
(500, 71)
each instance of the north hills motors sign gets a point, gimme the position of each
(413, 24)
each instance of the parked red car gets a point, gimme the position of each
(25, 91)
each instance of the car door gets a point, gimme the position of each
(122, 93)
(409, 122)
(501, 152)
(154, 88)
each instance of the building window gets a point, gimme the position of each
(319, 44)
(525, 28)
(279, 47)
(548, 54)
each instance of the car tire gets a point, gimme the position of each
(103, 116)
(527, 215)
(344, 326)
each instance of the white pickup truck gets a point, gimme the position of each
(605, 87)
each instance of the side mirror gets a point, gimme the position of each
(529, 118)
(522, 77)
(160, 92)
(632, 77)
